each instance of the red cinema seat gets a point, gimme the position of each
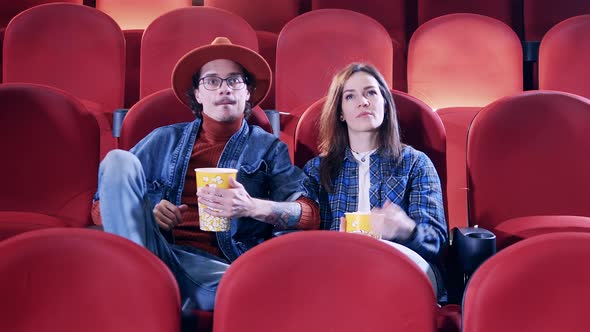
(175, 33)
(138, 14)
(507, 11)
(464, 60)
(458, 63)
(9, 9)
(324, 281)
(563, 57)
(51, 146)
(74, 48)
(528, 155)
(84, 280)
(316, 45)
(396, 17)
(540, 284)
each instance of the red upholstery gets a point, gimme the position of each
(563, 57)
(507, 11)
(173, 34)
(84, 280)
(262, 15)
(163, 108)
(267, 43)
(75, 48)
(138, 14)
(452, 66)
(9, 9)
(517, 229)
(540, 284)
(528, 155)
(542, 15)
(51, 150)
(14, 223)
(394, 15)
(321, 43)
(324, 281)
(132, 56)
(464, 60)
(456, 121)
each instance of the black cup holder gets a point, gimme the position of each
(480, 235)
(473, 246)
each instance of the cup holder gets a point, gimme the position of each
(480, 235)
(473, 246)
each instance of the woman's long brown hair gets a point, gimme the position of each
(334, 132)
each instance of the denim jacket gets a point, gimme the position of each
(263, 164)
(410, 182)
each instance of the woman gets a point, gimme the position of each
(363, 166)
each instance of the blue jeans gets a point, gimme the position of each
(126, 212)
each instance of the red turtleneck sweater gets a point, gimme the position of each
(207, 150)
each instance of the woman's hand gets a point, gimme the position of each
(396, 223)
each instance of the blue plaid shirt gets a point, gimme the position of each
(410, 182)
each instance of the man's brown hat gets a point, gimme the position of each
(221, 48)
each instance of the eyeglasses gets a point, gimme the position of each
(211, 83)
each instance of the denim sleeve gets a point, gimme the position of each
(312, 170)
(427, 210)
(287, 181)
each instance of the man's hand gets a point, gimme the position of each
(168, 215)
(232, 202)
(396, 223)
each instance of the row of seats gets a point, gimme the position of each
(530, 19)
(523, 153)
(269, 46)
(75, 279)
(441, 70)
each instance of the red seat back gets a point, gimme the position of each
(540, 284)
(262, 15)
(75, 48)
(507, 11)
(324, 281)
(84, 280)
(396, 16)
(138, 14)
(321, 43)
(563, 57)
(464, 60)
(51, 150)
(9, 9)
(529, 154)
(175, 33)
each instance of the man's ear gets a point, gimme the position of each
(197, 96)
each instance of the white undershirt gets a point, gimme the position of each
(364, 159)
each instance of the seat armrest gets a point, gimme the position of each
(118, 117)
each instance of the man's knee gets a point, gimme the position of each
(120, 165)
(120, 160)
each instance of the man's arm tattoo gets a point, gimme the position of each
(284, 215)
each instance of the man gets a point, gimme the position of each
(150, 191)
